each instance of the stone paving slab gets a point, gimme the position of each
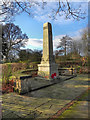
(45, 102)
(50, 108)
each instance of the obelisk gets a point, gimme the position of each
(47, 66)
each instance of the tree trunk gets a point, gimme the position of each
(65, 49)
(6, 57)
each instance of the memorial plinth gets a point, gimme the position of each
(48, 65)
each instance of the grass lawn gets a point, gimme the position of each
(79, 109)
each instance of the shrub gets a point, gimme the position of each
(27, 65)
(78, 69)
(8, 87)
(6, 73)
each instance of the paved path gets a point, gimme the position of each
(45, 102)
(0, 88)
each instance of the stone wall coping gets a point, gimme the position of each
(65, 68)
(25, 77)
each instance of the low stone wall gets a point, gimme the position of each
(67, 71)
(23, 84)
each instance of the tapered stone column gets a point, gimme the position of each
(47, 66)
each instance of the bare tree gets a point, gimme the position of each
(80, 45)
(76, 47)
(12, 40)
(65, 44)
(9, 9)
(85, 36)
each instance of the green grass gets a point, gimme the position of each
(71, 110)
(0, 80)
(84, 96)
(19, 73)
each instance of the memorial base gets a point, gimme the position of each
(46, 70)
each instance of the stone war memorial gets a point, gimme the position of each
(48, 65)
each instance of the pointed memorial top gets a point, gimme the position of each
(45, 24)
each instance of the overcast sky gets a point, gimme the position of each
(33, 26)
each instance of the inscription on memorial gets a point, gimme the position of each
(45, 27)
